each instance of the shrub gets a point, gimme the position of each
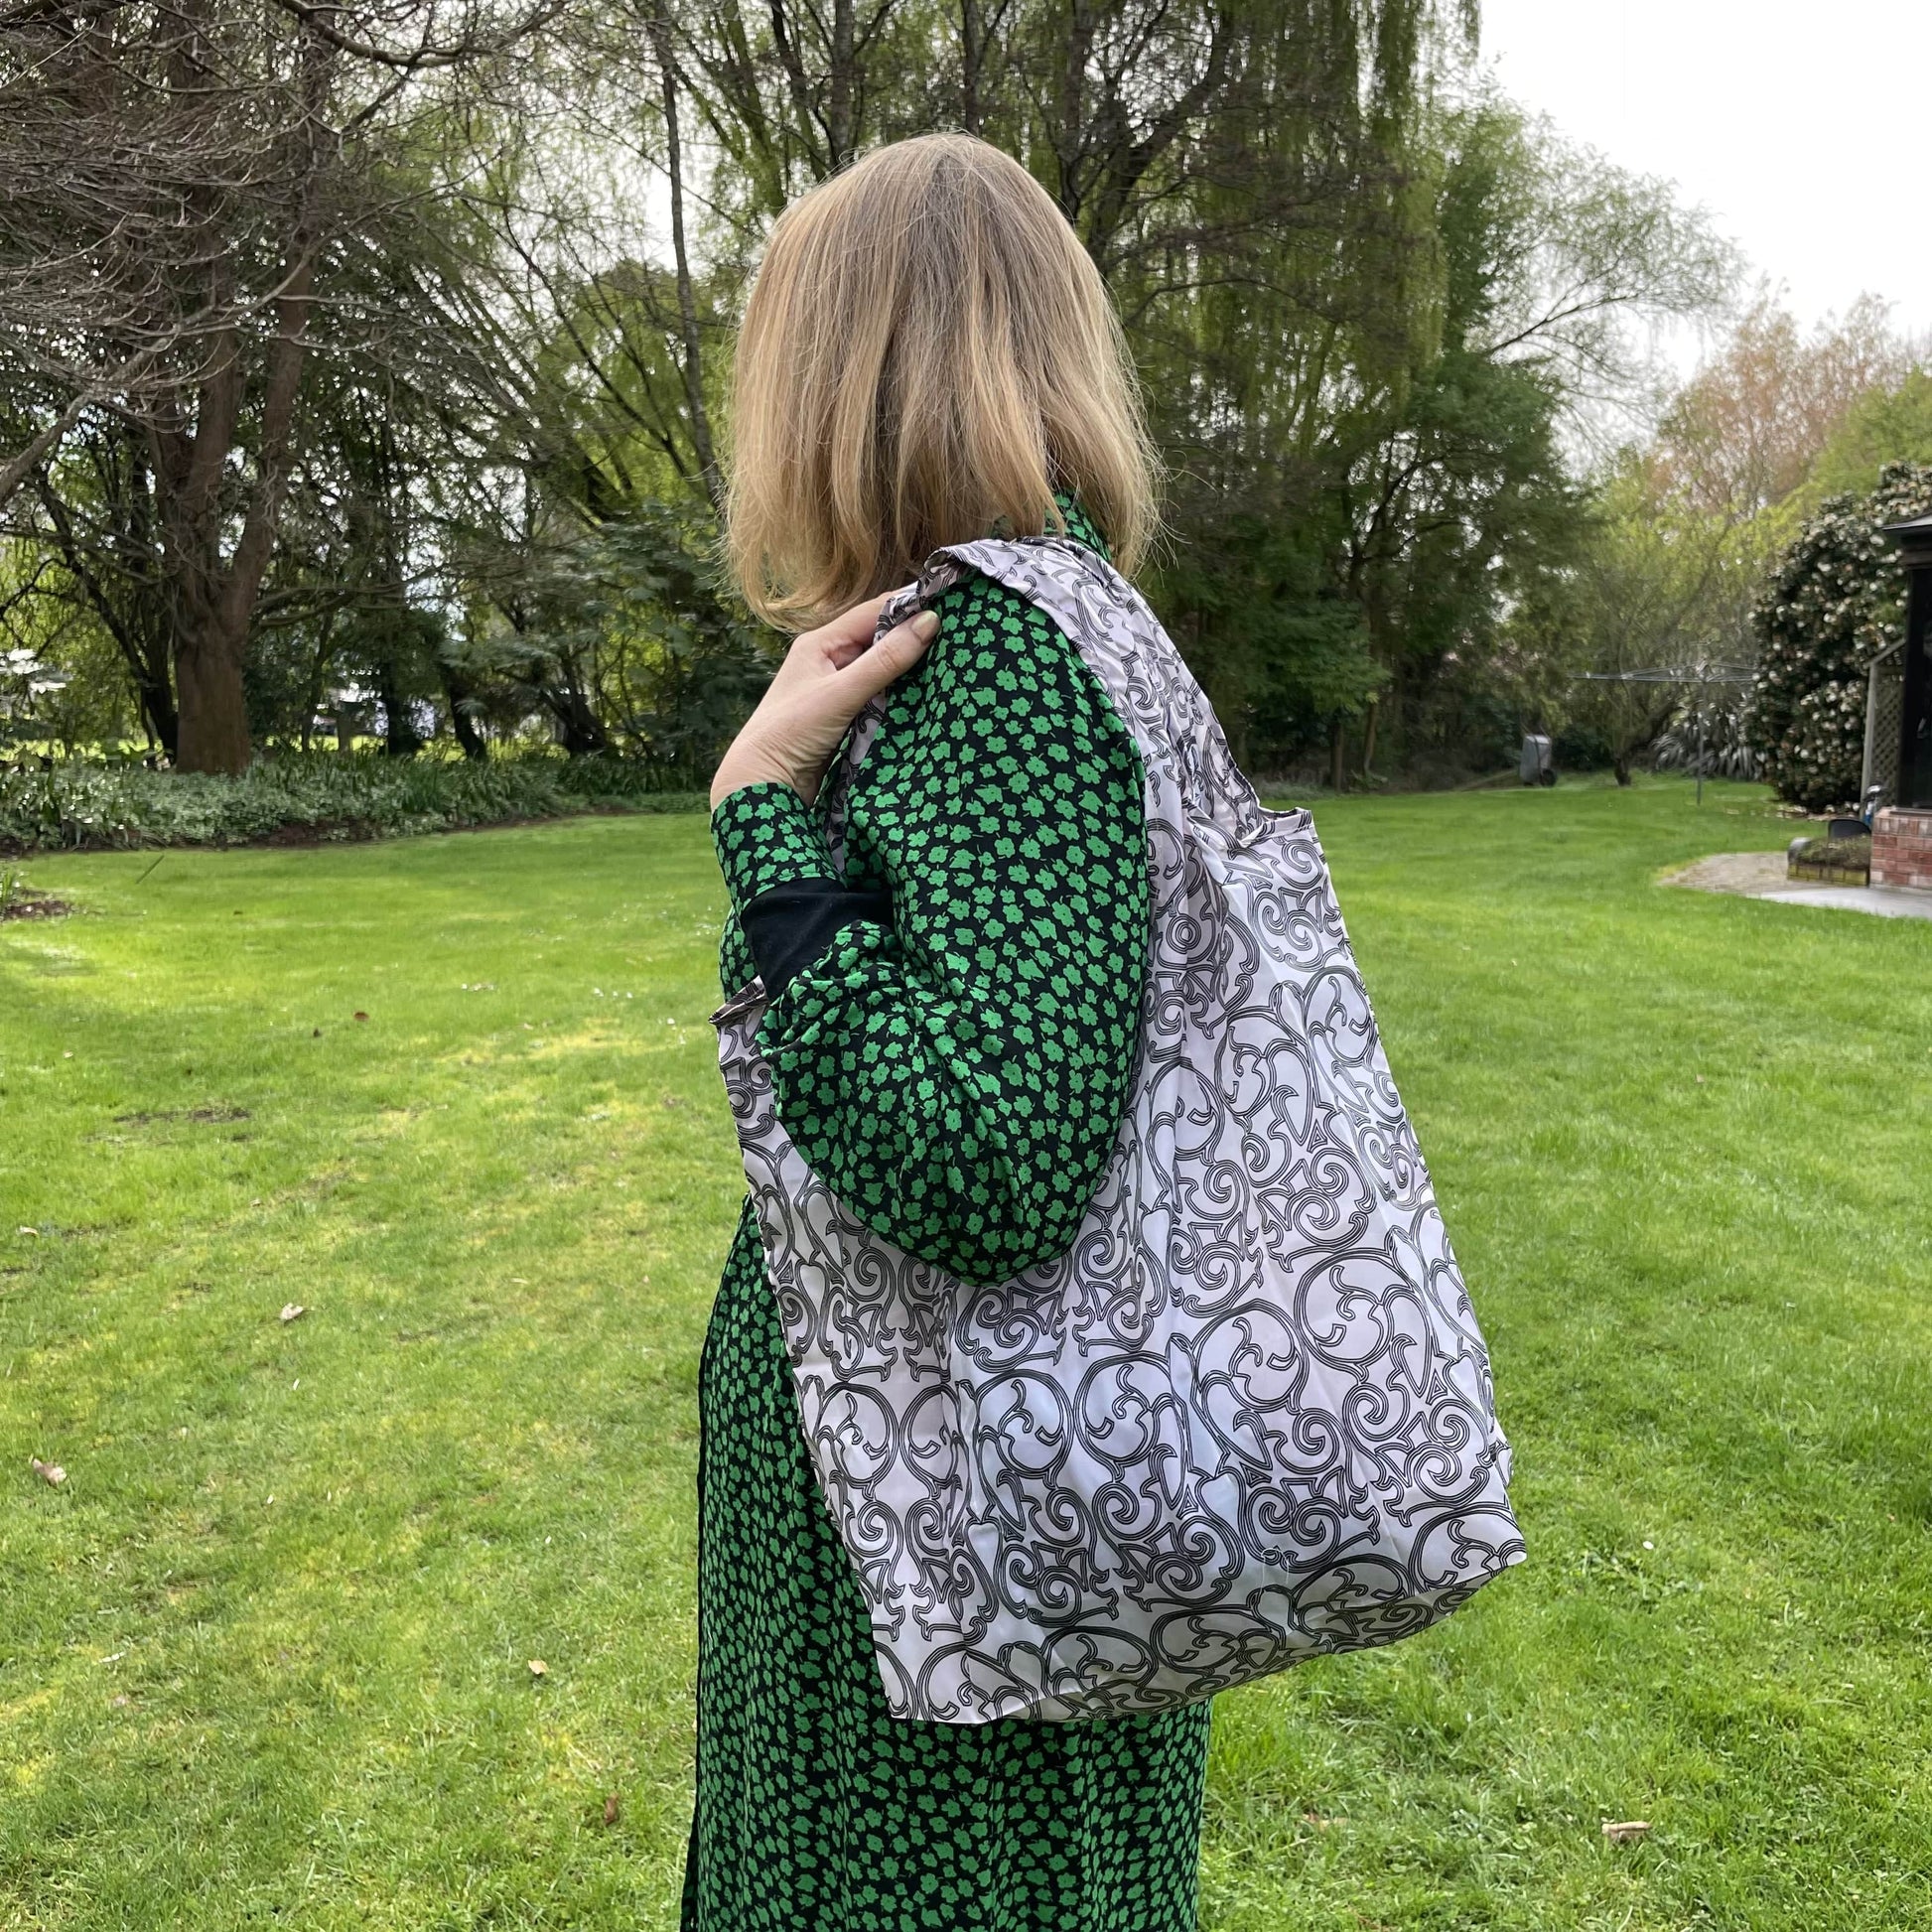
(1843, 855)
(1834, 604)
(76, 805)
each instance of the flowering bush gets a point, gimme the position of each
(1837, 600)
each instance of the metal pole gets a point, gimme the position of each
(1700, 742)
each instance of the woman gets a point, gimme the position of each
(928, 356)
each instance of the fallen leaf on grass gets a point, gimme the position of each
(35, 1232)
(49, 1474)
(361, 1015)
(611, 1809)
(1627, 1833)
(538, 1668)
(293, 1312)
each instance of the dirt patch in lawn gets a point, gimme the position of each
(187, 1112)
(1731, 872)
(36, 908)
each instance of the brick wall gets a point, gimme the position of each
(1901, 848)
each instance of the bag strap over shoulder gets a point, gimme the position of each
(943, 569)
(940, 574)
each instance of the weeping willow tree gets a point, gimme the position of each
(1280, 275)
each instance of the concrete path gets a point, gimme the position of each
(1761, 875)
(1888, 902)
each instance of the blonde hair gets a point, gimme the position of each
(927, 353)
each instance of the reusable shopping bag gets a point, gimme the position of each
(1247, 1418)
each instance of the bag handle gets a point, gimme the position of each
(941, 573)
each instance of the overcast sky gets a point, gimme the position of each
(1800, 125)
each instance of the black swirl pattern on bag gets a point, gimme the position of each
(1247, 1418)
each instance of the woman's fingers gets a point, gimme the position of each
(892, 658)
(848, 635)
(851, 629)
(828, 678)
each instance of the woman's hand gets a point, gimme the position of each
(828, 678)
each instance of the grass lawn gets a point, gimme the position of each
(266, 1654)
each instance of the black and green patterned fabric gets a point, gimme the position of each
(957, 1073)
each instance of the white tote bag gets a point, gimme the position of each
(1247, 1417)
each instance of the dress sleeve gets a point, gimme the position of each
(956, 1068)
(788, 901)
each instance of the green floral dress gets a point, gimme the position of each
(951, 1038)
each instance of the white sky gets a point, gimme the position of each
(1799, 125)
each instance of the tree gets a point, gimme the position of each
(1685, 527)
(1214, 161)
(1882, 427)
(99, 519)
(1742, 435)
(180, 179)
(1432, 493)
(1658, 577)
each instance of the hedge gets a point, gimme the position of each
(79, 805)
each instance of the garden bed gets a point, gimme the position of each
(316, 799)
(1830, 861)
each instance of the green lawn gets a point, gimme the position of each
(266, 1654)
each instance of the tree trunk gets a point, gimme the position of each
(158, 712)
(214, 722)
(970, 56)
(318, 678)
(1369, 738)
(693, 361)
(456, 689)
(476, 747)
(841, 129)
(214, 590)
(1622, 766)
(400, 738)
(1338, 756)
(579, 727)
